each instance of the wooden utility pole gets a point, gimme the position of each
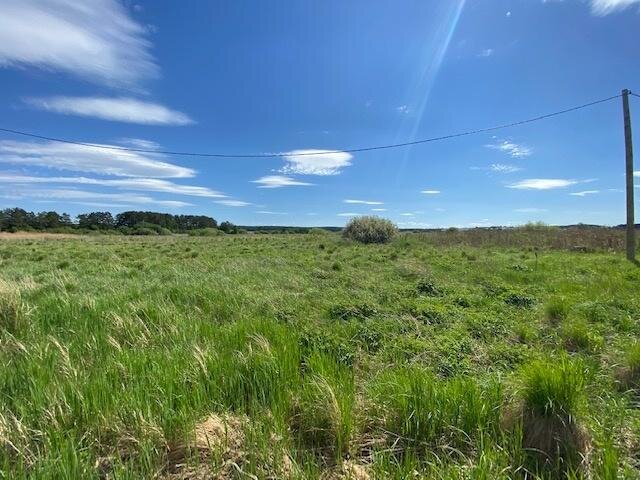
(628, 142)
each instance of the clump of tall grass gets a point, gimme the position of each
(628, 373)
(556, 309)
(12, 309)
(370, 229)
(577, 336)
(322, 416)
(422, 413)
(552, 398)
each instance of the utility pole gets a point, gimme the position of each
(628, 142)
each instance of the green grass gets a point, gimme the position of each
(396, 358)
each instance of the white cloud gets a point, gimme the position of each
(605, 7)
(431, 192)
(403, 109)
(542, 183)
(378, 209)
(636, 174)
(96, 40)
(233, 203)
(267, 212)
(145, 184)
(407, 214)
(363, 202)
(277, 181)
(119, 109)
(504, 168)
(530, 210)
(71, 195)
(487, 52)
(80, 158)
(349, 214)
(511, 148)
(316, 162)
(585, 193)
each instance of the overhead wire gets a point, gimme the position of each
(315, 152)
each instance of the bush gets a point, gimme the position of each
(369, 230)
(205, 232)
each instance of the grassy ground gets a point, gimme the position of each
(305, 357)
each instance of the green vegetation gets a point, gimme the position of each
(368, 229)
(310, 356)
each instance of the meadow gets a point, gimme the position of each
(308, 356)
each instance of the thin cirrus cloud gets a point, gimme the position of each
(542, 184)
(85, 197)
(278, 181)
(348, 214)
(90, 159)
(431, 192)
(119, 109)
(137, 184)
(504, 168)
(378, 209)
(605, 7)
(362, 202)
(584, 193)
(315, 162)
(512, 149)
(233, 203)
(99, 42)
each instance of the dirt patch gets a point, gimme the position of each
(214, 450)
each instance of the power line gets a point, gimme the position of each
(322, 152)
(634, 94)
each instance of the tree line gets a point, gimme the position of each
(130, 222)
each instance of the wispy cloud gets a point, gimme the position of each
(82, 158)
(431, 192)
(403, 109)
(407, 214)
(349, 214)
(584, 193)
(504, 168)
(487, 52)
(278, 181)
(510, 148)
(233, 203)
(316, 162)
(542, 183)
(378, 209)
(119, 109)
(139, 184)
(363, 202)
(73, 195)
(636, 174)
(97, 41)
(268, 212)
(605, 7)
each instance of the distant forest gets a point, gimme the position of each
(128, 223)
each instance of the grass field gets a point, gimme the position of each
(305, 356)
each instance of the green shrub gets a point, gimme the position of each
(205, 232)
(369, 229)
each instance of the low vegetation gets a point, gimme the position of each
(369, 230)
(312, 356)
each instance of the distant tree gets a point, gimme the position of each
(96, 220)
(13, 219)
(228, 227)
(49, 220)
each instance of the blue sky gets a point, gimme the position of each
(297, 76)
